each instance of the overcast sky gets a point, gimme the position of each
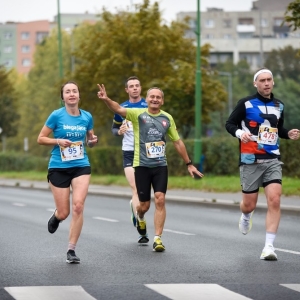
(31, 10)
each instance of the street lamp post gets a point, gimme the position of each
(198, 92)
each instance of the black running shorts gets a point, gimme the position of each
(128, 158)
(145, 177)
(62, 177)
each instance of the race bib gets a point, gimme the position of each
(267, 135)
(73, 152)
(155, 149)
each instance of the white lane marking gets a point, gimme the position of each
(288, 251)
(195, 292)
(19, 204)
(105, 219)
(295, 287)
(51, 209)
(179, 232)
(49, 293)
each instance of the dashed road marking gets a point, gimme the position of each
(287, 251)
(49, 293)
(105, 219)
(19, 204)
(178, 232)
(195, 292)
(294, 287)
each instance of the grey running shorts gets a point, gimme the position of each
(254, 176)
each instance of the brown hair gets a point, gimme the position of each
(62, 88)
(130, 78)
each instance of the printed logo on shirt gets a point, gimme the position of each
(77, 127)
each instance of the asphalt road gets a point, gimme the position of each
(206, 256)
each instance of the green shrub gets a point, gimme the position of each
(14, 161)
(221, 156)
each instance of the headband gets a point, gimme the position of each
(261, 71)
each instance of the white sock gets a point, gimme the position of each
(71, 246)
(139, 218)
(247, 216)
(270, 237)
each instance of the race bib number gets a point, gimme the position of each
(267, 135)
(155, 149)
(73, 152)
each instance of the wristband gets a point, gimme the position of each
(189, 163)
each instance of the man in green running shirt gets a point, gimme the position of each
(150, 126)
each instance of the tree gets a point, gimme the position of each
(8, 103)
(288, 91)
(292, 14)
(42, 89)
(284, 62)
(125, 44)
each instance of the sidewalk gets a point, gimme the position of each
(291, 203)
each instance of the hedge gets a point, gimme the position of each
(220, 158)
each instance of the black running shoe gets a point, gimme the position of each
(141, 227)
(72, 258)
(143, 239)
(53, 223)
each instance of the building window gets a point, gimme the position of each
(209, 36)
(264, 23)
(8, 63)
(245, 21)
(282, 35)
(25, 49)
(40, 36)
(7, 49)
(209, 23)
(193, 24)
(26, 62)
(227, 36)
(278, 21)
(7, 35)
(227, 23)
(25, 35)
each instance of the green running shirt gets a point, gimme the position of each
(150, 136)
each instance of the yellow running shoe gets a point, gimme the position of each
(158, 245)
(141, 226)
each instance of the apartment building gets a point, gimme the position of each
(8, 45)
(18, 41)
(244, 35)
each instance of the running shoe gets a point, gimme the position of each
(268, 253)
(141, 226)
(158, 245)
(53, 223)
(133, 218)
(245, 225)
(143, 239)
(72, 258)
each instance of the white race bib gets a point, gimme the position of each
(74, 151)
(267, 135)
(155, 149)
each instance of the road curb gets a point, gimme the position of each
(210, 202)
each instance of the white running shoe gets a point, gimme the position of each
(268, 253)
(245, 225)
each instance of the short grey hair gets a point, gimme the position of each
(155, 88)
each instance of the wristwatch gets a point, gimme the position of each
(189, 163)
